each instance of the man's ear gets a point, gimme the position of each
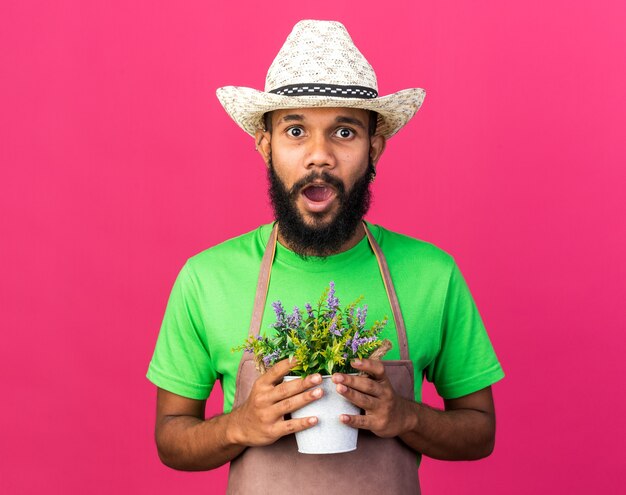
(263, 145)
(377, 146)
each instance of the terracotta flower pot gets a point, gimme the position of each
(329, 435)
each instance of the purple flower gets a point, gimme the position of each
(355, 343)
(332, 301)
(358, 342)
(278, 309)
(280, 314)
(309, 310)
(361, 314)
(333, 328)
(269, 359)
(294, 319)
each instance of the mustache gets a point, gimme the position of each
(317, 176)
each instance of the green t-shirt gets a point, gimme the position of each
(211, 304)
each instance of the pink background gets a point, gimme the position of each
(117, 163)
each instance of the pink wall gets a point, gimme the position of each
(117, 163)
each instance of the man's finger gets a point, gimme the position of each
(295, 425)
(363, 384)
(373, 367)
(291, 404)
(359, 421)
(293, 387)
(359, 399)
(281, 369)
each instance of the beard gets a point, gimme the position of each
(320, 238)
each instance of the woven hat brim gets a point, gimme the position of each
(246, 106)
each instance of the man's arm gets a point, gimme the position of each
(185, 440)
(464, 431)
(188, 442)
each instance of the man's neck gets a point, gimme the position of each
(349, 244)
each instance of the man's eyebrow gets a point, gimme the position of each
(350, 120)
(292, 117)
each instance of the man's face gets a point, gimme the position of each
(320, 164)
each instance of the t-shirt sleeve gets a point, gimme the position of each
(466, 361)
(181, 362)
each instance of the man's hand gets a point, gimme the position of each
(464, 431)
(386, 413)
(260, 419)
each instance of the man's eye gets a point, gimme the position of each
(294, 131)
(344, 132)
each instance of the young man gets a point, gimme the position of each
(321, 128)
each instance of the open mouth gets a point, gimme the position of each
(317, 193)
(318, 197)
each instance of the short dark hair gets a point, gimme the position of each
(373, 122)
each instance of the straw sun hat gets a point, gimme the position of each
(319, 66)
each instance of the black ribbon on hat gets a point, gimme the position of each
(326, 90)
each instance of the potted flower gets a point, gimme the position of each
(324, 340)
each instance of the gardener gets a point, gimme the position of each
(321, 128)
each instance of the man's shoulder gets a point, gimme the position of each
(238, 250)
(407, 250)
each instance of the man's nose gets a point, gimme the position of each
(320, 152)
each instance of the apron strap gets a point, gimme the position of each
(263, 283)
(391, 294)
(264, 280)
